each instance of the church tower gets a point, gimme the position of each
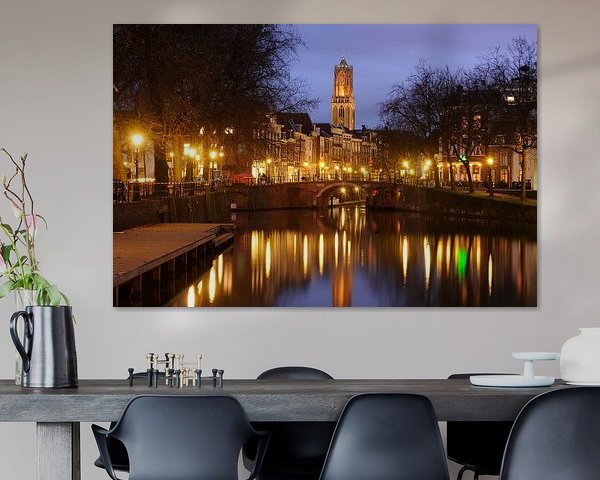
(342, 100)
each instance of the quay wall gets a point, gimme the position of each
(446, 203)
(385, 196)
(206, 208)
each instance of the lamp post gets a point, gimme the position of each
(490, 162)
(170, 164)
(136, 140)
(405, 166)
(269, 162)
(427, 169)
(213, 155)
(221, 155)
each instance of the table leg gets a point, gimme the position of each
(58, 451)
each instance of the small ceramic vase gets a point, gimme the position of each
(580, 358)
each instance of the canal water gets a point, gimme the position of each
(351, 257)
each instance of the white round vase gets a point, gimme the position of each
(580, 358)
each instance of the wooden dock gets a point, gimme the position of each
(149, 250)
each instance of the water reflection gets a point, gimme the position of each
(348, 257)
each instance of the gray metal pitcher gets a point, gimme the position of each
(48, 346)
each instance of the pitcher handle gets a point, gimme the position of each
(25, 352)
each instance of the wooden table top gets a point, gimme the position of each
(264, 400)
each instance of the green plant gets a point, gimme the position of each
(18, 263)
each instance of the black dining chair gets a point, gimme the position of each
(296, 449)
(477, 446)
(116, 450)
(180, 437)
(386, 436)
(556, 437)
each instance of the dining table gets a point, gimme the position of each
(59, 412)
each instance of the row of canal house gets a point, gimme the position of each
(299, 149)
(504, 170)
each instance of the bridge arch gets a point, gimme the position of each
(338, 185)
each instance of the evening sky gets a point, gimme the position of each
(386, 54)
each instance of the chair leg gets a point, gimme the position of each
(460, 473)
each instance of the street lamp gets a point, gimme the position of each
(306, 171)
(170, 165)
(136, 140)
(490, 162)
(426, 169)
(269, 162)
(405, 166)
(213, 155)
(197, 165)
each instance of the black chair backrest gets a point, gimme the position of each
(479, 444)
(556, 437)
(295, 373)
(386, 436)
(182, 437)
(297, 441)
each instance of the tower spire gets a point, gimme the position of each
(342, 100)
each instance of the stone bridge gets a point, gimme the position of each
(387, 195)
(309, 194)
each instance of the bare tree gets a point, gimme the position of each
(471, 118)
(418, 104)
(394, 148)
(514, 75)
(199, 83)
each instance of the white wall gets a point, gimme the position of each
(55, 103)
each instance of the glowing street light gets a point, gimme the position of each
(490, 162)
(137, 140)
(405, 166)
(213, 155)
(269, 161)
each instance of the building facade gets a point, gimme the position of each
(296, 149)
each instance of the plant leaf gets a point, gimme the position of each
(6, 288)
(53, 295)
